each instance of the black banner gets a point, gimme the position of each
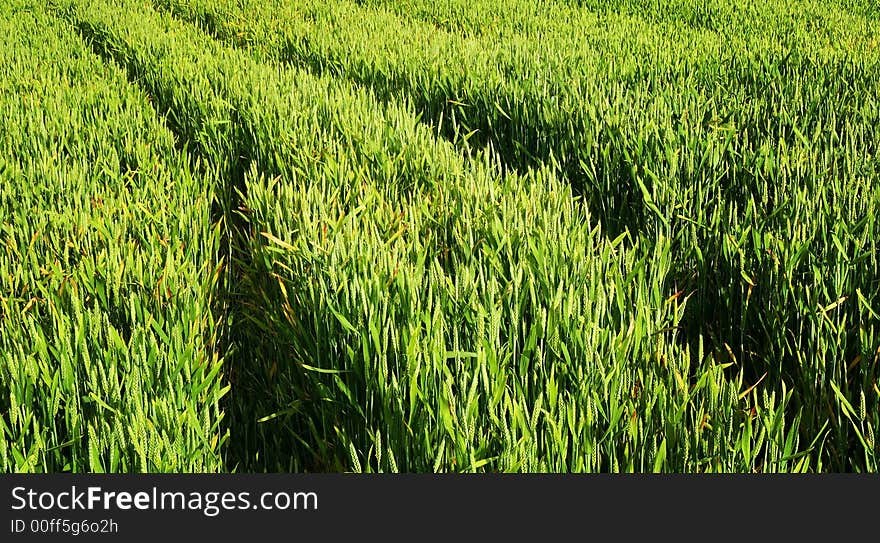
(334, 507)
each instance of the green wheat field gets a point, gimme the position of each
(439, 236)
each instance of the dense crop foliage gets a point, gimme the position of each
(450, 236)
(106, 255)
